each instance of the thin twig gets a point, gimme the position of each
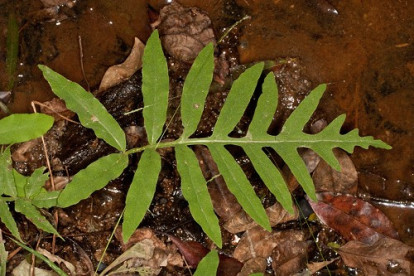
(226, 33)
(52, 181)
(81, 62)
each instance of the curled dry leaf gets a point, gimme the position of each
(57, 259)
(327, 179)
(24, 268)
(121, 72)
(384, 257)
(352, 217)
(184, 31)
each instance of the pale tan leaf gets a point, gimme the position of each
(120, 72)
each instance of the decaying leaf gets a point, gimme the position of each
(169, 253)
(384, 257)
(254, 265)
(277, 214)
(24, 268)
(315, 267)
(353, 218)
(327, 179)
(194, 252)
(57, 259)
(257, 242)
(120, 72)
(290, 254)
(181, 41)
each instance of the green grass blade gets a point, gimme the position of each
(18, 128)
(7, 186)
(298, 168)
(12, 44)
(55, 268)
(35, 182)
(266, 107)
(8, 220)
(141, 192)
(92, 114)
(155, 88)
(270, 175)
(45, 199)
(238, 184)
(26, 208)
(208, 265)
(301, 115)
(196, 87)
(194, 188)
(93, 178)
(237, 101)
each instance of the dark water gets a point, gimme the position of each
(365, 53)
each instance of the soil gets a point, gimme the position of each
(364, 52)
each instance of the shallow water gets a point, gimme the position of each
(365, 53)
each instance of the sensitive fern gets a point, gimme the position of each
(155, 91)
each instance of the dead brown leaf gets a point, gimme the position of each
(241, 221)
(257, 242)
(255, 265)
(120, 72)
(315, 267)
(327, 179)
(290, 254)
(385, 257)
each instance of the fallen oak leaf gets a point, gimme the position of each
(384, 257)
(352, 217)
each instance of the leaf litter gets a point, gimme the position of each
(249, 224)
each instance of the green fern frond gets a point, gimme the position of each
(194, 186)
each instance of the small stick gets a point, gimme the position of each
(81, 62)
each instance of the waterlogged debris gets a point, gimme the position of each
(121, 72)
(353, 218)
(327, 179)
(384, 257)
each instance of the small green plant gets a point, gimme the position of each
(155, 91)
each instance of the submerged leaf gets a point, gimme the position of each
(92, 114)
(31, 212)
(155, 88)
(385, 257)
(353, 218)
(93, 178)
(194, 188)
(141, 192)
(18, 128)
